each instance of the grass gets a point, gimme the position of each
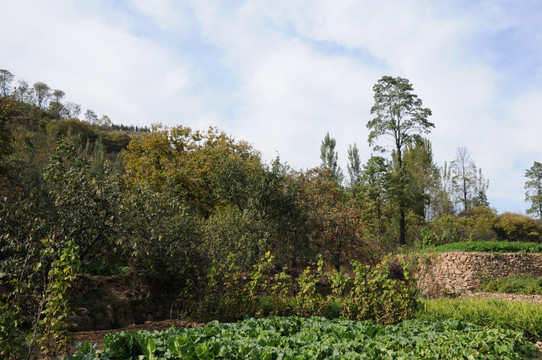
(488, 246)
(519, 316)
(516, 284)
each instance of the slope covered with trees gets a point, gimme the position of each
(171, 204)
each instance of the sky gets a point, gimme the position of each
(280, 74)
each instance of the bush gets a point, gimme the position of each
(491, 246)
(479, 225)
(446, 229)
(373, 295)
(517, 227)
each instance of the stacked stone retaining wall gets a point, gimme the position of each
(455, 273)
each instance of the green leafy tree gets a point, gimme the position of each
(533, 187)
(399, 115)
(330, 158)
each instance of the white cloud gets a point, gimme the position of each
(260, 70)
(100, 66)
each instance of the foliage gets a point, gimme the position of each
(513, 315)
(318, 338)
(516, 284)
(12, 339)
(85, 203)
(517, 227)
(480, 225)
(102, 268)
(369, 293)
(230, 230)
(491, 246)
(161, 236)
(338, 224)
(374, 295)
(64, 269)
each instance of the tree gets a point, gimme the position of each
(399, 115)
(105, 121)
(424, 175)
(374, 179)
(58, 95)
(468, 183)
(56, 108)
(42, 92)
(72, 110)
(91, 117)
(5, 82)
(23, 92)
(337, 221)
(354, 165)
(533, 187)
(330, 158)
(442, 204)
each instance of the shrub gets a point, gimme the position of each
(491, 246)
(517, 227)
(373, 295)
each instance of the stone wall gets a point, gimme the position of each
(455, 273)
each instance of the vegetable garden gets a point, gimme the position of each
(317, 338)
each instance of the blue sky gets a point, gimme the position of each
(280, 73)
